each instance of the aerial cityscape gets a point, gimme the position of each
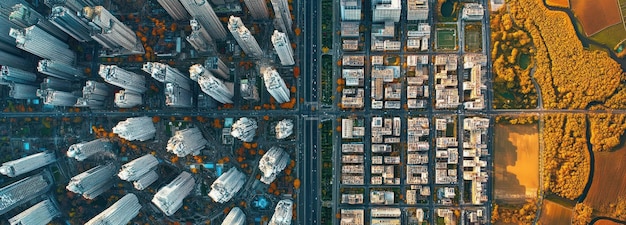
(307, 112)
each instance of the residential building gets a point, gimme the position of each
(226, 186)
(216, 66)
(127, 99)
(123, 79)
(235, 217)
(8, 74)
(174, 8)
(120, 213)
(22, 91)
(282, 213)
(146, 180)
(167, 74)
(273, 162)
(69, 22)
(136, 128)
(112, 34)
(275, 85)
(41, 213)
(199, 37)
(473, 11)
(59, 70)
(283, 48)
(257, 8)
(417, 10)
(135, 169)
(244, 129)
(202, 11)
(350, 10)
(170, 197)
(26, 164)
(22, 191)
(244, 38)
(386, 10)
(282, 16)
(93, 182)
(57, 98)
(284, 129)
(83, 150)
(187, 141)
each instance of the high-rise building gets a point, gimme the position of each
(199, 37)
(257, 8)
(195, 71)
(123, 79)
(22, 91)
(226, 186)
(282, 16)
(57, 98)
(52, 83)
(135, 169)
(282, 213)
(112, 34)
(94, 94)
(174, 8)
(203, 12)
(59, 70)
(146, 180)
(24, 16)
(166, 74)
(386, 10)
(175, 96)
(275, 85)
(92, 182)
(136, 128)
(26, 164)
(244, 38)
(473, 11)
(187, 141)
(273, 162)
(127, 99)
(8, 58)
(17, 75)
(417, 10)
(248, 89)
(83, 150)
(67, 20)
(350, 10)
(170, 197)
(22, 191)
(215, 88)
(39, 214)
(235, 217)
(217, 66)
(283, 48)
(74, 5)
(120, 213)
(284, 128)
(244, 129)
(40, 43)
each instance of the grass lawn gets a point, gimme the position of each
(473, 38)
(446, 39)
(611, 36)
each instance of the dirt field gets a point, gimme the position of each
(516, 162)
(606, 222)
(609, 179)
(596, 15)
(553, 213)
(558, 3)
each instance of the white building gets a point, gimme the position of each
(176, 96)
(257, 8)
(127, 99)
(473, 11)
(40, 43)
(212, 86)
(200, 39)
(244, 129)
(174, 8)
(275, 85)
(120, 213)
(123, 79)
(282, 16)
(273, 162)
(187, 141)
(170, 197)
(417, 10)
(282, 213)
(135, 169)
(283, 48)
(92, 182)
(235, 217)
(284, 129)
(386, 10)
(350, 10)
(203, 12)
(39, 214)
(83, 150)
(244, 38)
(136, 128)
(21, 191)
(57, 98)
(167, 74)
(216, 66)
(111, 33)
(146, 180)
(227, 185)
(26, 164)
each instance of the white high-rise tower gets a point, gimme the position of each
(40, 43)
(244, 129)
(136, 128)
(146, 180)
(273, 162)
(226, 186)
(275, 85)
(120, 213)
(257, 8)
(111, 33)
(282, 16)
(187, 141)
(24, 165)
(135, 169)
(127, 99)
(39, 214)
(92, 182)
(284, 128)
(282, 213)
(283, 48)
(244, 38)
(235, 217)
(215, 88)
(203, 12)
(21, 191)
(124, 79)
(170, 197)
(81, 151)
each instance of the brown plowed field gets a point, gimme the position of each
(553, 213)
(606, 222)
(558, 3)
(609, 179)
(596, 15)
